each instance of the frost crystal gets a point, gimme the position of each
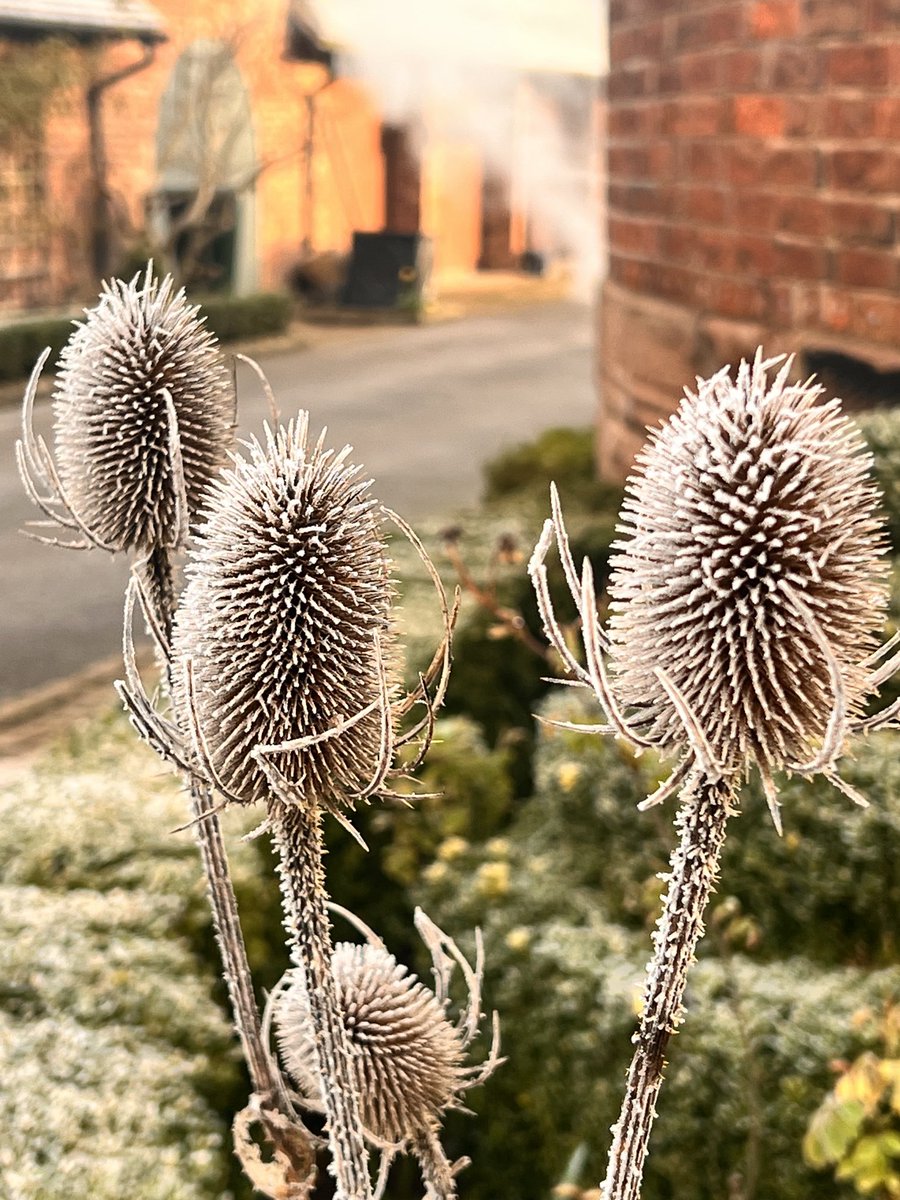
(144, 415)
(750, 573)
(279, 635)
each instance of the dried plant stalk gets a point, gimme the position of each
(298, 838)
(694, 868)
(279, 640)
(438, 1172)
(157, 570)
(143, 418)
(295, 1149)
(286, 666)
(266, 1080)
(746, 594)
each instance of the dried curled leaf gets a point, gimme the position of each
(291, 1172)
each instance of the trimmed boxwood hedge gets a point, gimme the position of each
(231, 318)
(21, 344)
(234, 317)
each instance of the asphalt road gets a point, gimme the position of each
(422, 406)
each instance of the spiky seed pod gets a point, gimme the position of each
(406, 1054)
(283, 621)
(752, 538)
(140, 355)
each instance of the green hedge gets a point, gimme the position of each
(881, 429)
(231, 318)
(22, 344)
(120, 1072)
(567, 898)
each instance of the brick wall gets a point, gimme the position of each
(754, 193)
(347, 161)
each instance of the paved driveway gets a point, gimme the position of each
(422, 406)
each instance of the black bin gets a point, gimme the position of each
(387, 270)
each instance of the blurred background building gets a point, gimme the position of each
(245, 144)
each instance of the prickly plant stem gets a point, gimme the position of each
(694, 867)
(437, 1173)
(226, 923)
(157, 574)
(297, 832)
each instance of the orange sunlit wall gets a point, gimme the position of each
(451, 204)
(348, 169)
(275, 90)
(348, 166)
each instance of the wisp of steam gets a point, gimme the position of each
(516, 79)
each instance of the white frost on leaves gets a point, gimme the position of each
(102, 1113)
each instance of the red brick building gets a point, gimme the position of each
(156, 102)
(754, 197)
(186, 96)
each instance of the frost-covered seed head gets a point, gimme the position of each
(288, 592)
(407, 1055)
(751, 511)
(112, 419)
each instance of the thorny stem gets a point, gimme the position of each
(298, 838)
(157, 574)
(208, 833)
(694, 866)
(437, 1172)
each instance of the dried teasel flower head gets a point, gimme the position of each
(144, 415)
(747, 586)
(751, 571)
(408, 1056)
(281, 633)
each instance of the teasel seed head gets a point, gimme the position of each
(140, 362)
(282, 633)
(406, 1054)
(750, 573)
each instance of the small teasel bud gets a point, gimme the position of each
(409, 1060)
(283, 624)
(144, 415)
(406, 1054)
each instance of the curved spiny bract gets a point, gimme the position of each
(406, 1055)
(140, 363)
(752, 554)
(282, 623)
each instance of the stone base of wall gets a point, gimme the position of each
(650, 349)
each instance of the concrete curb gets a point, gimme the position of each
(30, 721)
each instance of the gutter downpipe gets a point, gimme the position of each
(101, 240)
